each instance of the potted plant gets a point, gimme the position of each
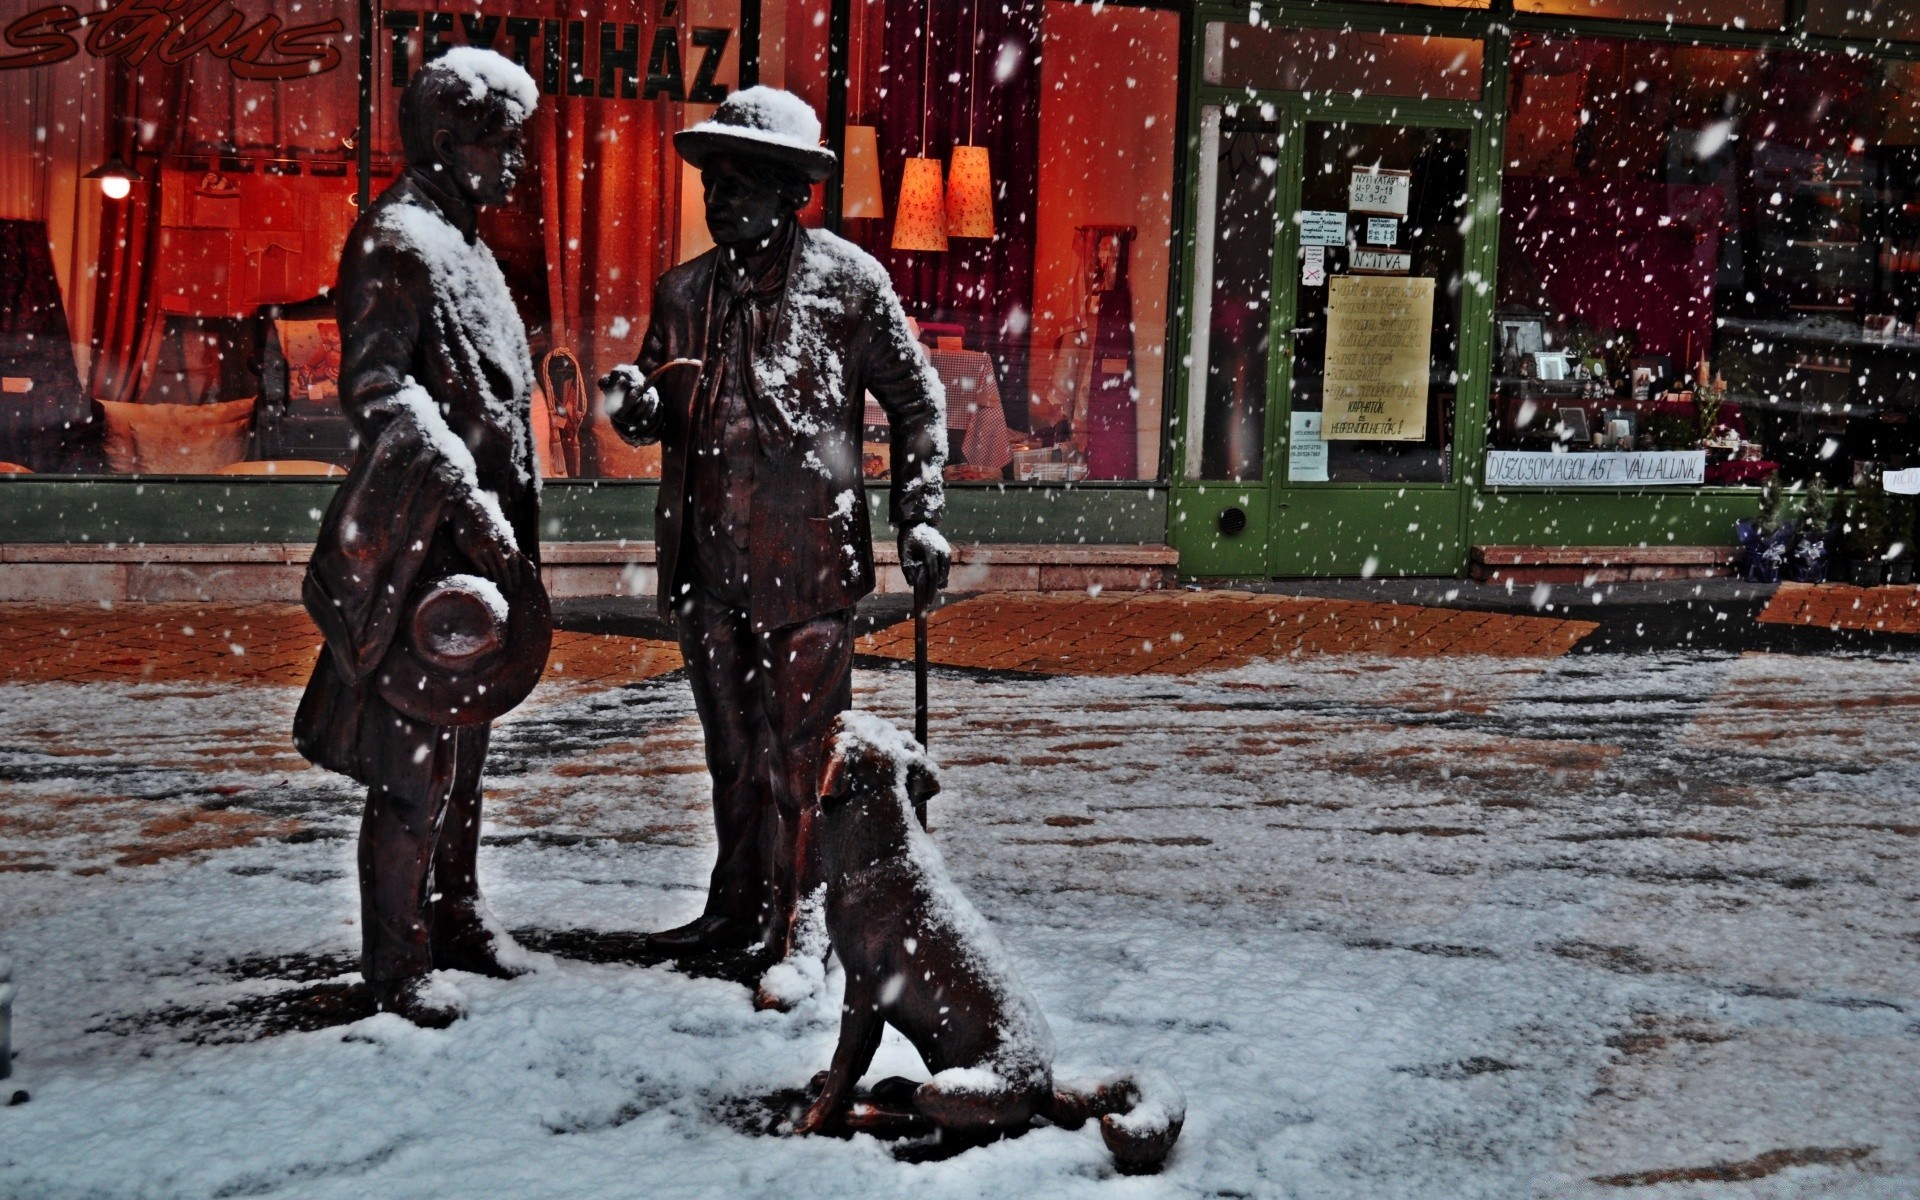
(1766, 537)
(1899, 552)
(1814, 534)
(1865, 534)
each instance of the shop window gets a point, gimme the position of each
(1233, 286)
(1342, 61)
(1712, 14)
(183, 324)
(1709, 265)
(1894, 20)
(1043, 304)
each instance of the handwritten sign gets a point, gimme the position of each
(1380, 192)
(1643, 468)
(1380, 262)
(1901, 483)
(1313, 266)
(1379, 335)
(1319, 227)
(1383, 231)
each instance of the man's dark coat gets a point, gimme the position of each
(837, 333)
(429, 364)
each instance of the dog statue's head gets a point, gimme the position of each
(870, 758)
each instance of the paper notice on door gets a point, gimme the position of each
(1384, 192)
(1383, 231)
(1313, 266)
(1322, 228)
(1379, 338)
(1306, 450)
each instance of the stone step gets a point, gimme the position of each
(1585, 565)
(262, 572)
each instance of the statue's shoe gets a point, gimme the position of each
(480, 954)
(704, 935)
(466, 938)
(413, 998)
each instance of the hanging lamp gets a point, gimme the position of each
(920, 215)
(860, 184)
(970, 178)
(860, 194)
(116, 178)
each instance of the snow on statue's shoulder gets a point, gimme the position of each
(834, 258)
(489, 71)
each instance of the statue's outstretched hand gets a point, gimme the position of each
(925, 555)
(631, 403)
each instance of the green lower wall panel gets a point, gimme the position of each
(282, 510)
(1680, 518)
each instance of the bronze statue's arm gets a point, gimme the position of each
(632, 404)
(915, 403)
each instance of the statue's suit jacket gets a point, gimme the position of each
(837, 333)
(433, 358)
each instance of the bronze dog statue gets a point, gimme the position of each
(918, 956)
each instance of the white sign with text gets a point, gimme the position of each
(1643, 468)
(1319, 227)
(1380, 192)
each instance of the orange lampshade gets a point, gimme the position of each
(920, 218)
(970, 194)
(860, 178)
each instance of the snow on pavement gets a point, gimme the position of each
(1422, 928)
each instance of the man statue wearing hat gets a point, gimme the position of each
(762, 530)
(425, 578)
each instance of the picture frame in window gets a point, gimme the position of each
(1521, 337)
(1551, 365)
(1574, 421)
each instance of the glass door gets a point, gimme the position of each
(1377, 250)
(1341, 255)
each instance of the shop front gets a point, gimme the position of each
(176, 181)
(1294, 289)
(1564, 273)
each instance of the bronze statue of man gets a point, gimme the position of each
(425, 578)
(762, 530)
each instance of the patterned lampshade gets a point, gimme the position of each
(920, 218)
(860, 182)
(970, 194)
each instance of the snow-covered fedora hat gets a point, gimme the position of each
(468, 648)
(760, 122)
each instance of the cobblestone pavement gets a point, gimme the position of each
(1839, 606)
(1415, 900)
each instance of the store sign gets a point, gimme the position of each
(1901, 483)
(1380, 192)
(1543, 468)
(173, 31)
(1379, 337)
(563, 55)
(1381, 262)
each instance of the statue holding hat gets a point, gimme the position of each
(753, 377)
(425, 577)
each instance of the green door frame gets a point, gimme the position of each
(1270, 507)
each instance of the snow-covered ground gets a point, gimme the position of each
(1422, 928)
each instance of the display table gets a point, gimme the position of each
(973, 407)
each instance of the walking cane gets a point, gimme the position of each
(922, 599)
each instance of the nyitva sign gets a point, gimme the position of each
(173, 31)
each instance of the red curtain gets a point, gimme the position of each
(607, 206)
(127, 316)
